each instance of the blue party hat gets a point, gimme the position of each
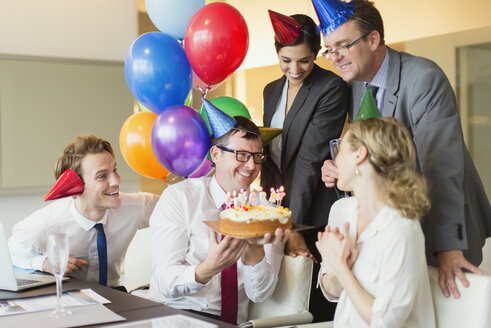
(332, 13)
(220, 121)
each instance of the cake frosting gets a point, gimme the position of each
(252, 221)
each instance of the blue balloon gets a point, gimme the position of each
(157, 71)
(172, 16)
(180, 140)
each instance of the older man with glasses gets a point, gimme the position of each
(416, 92)
(191, 265)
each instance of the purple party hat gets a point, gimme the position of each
(220, 121)
(332, 13)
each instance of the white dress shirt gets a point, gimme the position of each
(380, 81)
(391, 266)
(28, 244)
(180, 241)
(277, 122)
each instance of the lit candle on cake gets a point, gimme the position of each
(272, 196)
(234, 197)
(262, 196)
(252, 196)
(242, 197)
(280, 195)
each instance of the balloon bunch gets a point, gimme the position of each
(198, 46)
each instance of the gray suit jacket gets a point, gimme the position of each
(419, 95)
(316, 116)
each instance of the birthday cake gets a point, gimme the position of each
(254, 221)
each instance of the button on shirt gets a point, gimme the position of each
(28, 244)
(391, 266)
(180, 241)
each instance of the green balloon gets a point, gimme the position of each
(229, 105)
(189, 99)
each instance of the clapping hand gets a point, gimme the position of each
(336, 248)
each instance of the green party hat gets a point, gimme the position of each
(368, 108)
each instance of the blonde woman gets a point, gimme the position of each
(373, 251)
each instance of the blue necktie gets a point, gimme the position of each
(102, 252)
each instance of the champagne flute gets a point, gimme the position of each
(334, 146)
(58, 259)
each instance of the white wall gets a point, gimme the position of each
(85, 29)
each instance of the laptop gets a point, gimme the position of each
(15, 281)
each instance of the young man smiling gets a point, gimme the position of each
(416, 92)
(118, 214)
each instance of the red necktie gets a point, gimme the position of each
(230, 299)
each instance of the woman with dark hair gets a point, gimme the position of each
(310, 105)
(373, 250)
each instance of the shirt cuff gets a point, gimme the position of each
(329, 297)
(189, 279)
(37, 262)
(256, 268)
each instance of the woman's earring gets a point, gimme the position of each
(357, 172)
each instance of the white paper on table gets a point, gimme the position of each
(171, 321)
(96, 297)
(48, 302)
(81, 316)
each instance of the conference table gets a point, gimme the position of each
(132, 308)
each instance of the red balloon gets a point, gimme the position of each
(216, 42)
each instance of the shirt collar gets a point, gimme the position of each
(85, 223)
(380, 78)
(381, 221)
(217, 193)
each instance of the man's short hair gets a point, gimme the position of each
(72, 155)
(243, 124)
(368, 18)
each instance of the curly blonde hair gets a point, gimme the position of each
(72, 155)
(392, 154)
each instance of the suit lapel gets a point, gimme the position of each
(393, 80)
(272, 101)
(291, 116)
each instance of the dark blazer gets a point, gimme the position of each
(420, 96)
(316, 116)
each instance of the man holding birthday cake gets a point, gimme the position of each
(416, 92)
(193, 267)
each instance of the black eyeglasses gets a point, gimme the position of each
(244, 156)
(342, 50)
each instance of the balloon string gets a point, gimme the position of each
(203, 92)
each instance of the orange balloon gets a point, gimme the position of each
(136, 145)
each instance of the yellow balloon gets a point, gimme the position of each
(136, 145)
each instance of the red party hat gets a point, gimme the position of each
(68, 184)
(286, 29)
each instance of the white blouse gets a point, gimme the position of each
(391, 266)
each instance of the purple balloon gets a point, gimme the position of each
(203, 170)
(180, 140)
